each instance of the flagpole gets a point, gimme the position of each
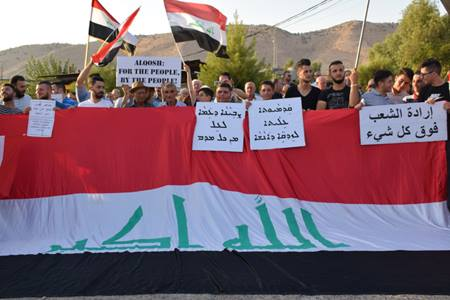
(179, 52)
(86, 54)
(361, 35)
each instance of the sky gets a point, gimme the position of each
(67, 21)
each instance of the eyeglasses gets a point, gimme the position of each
(425, 74)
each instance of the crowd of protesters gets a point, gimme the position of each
(339, 89)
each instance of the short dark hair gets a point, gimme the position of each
(267, 82)
(60, 85)
(17, 78)
(225, 74)
(209, 92)
(303, 62)
(93, 80)
(432, 64)
(225, 85)
(407, 72)
(45, 82)
(9, 85)
(381, 75)
(335, 62)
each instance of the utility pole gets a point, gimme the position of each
(274, 51)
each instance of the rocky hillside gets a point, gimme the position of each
(337, 42)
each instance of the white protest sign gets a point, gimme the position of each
(41, 118)
(2, 148)
(219, 127)
(276, 124)
(151, 71)
(403, 123)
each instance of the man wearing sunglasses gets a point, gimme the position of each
(436, 88)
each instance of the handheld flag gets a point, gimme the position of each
(109, 50)
(104, 26)
(198, 22)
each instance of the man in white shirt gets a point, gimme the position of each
(21, 100)
(96, 89)
(250, 91)
(169, 92)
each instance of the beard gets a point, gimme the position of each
(99, 95)
(8, 98)
(306, 81)
(45, 97)
(338, 81)
(20, 94)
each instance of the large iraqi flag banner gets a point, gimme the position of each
(127, 181)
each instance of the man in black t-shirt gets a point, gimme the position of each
(308, 93)
(436, 88)
(339, 95)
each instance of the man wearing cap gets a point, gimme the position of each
(205, 94)
(140, 95)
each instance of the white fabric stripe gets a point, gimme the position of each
(2, 148)
(85, 222)
(191, 22)
(99, 17)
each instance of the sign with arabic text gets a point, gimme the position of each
(276, 124)
(41, 118)
(219, 127)
(403, 123)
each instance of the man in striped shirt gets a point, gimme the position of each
(7, 94)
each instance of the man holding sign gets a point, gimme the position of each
(379, 95)
(8, 93)
(304, 90)
(266, 90)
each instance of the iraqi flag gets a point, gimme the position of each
(133, 210)
(109, 50)
(198, 22)
(104, 26)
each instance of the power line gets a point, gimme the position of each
(291, 18)
(315, 13)
(312, 8)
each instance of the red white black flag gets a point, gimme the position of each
(198, 22)
(104, 26)
(109, 50)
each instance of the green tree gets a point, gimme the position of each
(316, 66)
(366, 71)
(243, 64)
(289, 64)
(422, 33)
(47, 66)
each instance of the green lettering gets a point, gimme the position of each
(183, 237)
(132, 222)
(312, 228)
(295, 230)
(241, 242)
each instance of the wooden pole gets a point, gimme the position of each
(361, 37)
(86, 53)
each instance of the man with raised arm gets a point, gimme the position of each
(339, 95)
